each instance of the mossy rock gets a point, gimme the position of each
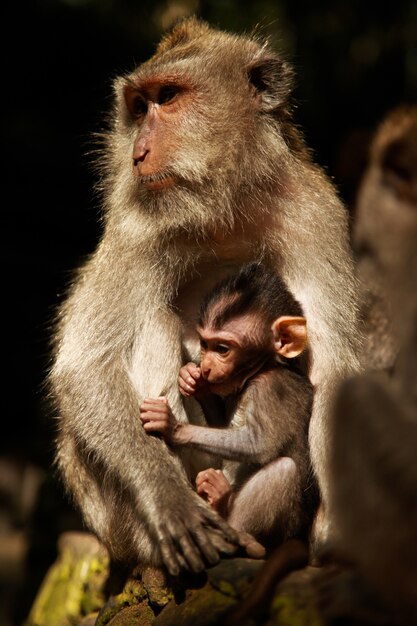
(74, 584)
(73, 593)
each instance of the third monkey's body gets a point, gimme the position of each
(209, 191)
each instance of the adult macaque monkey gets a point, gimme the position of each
(375, 420)
(251, 331)
(192, 191)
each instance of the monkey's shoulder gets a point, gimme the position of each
(278, 389)
(279, 379)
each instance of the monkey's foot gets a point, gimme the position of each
(252, 547)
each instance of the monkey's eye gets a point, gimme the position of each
(222, 349)
(138, 107)
(203, 344)
(167, 93)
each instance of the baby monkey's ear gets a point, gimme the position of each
(290, 335)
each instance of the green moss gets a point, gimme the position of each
(289, 612)
(227, 588)
(73, 587)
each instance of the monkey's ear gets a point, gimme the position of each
(271, 78)
(290, 335)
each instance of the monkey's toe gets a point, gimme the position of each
(253, 548)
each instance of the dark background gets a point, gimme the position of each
(354, 61)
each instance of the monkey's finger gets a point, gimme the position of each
(201, 477)
(200, 487)
(185, 546)
(182, 562)
(192, 369)
(154, 405)
(209, 551)
(204, 475)
(253, 548)
(215, 479)
(185, 388)
(154, 413)
(196, 373)
(220, 543)
(153, 417)
(158, 426)
(168, 552)
(210, 489)
(191, 553)
(189, 375)
(219, 523)
(219, 481)
(207, 488)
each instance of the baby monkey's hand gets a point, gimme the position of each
(214, 486)
(190, 380)
(157, 417)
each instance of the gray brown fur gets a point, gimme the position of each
(267, 422)
(389, 183)
(248, 189)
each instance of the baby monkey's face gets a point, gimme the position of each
(230, 356)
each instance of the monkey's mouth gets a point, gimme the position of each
(156, 182)
(222, 388)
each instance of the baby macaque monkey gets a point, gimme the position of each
(252, 333)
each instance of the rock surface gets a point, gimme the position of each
(73, 593)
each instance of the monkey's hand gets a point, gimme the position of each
(190, 380)
(157, 417)
(213, 484)
(193, 535)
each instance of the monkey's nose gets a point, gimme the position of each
(139, 165)
(139, 157)
(205, 372)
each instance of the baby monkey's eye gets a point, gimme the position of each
(203, 344)
(222, 349)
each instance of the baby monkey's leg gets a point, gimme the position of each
(268, 503)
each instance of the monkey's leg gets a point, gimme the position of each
(109, 508)
(267, 504)
(106, 507)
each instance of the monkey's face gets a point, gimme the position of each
(228, 357)
(194, 124)
(179, 127)
(386, 222)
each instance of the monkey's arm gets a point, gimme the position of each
(272, 410)
(242, 444)
(99, 376)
